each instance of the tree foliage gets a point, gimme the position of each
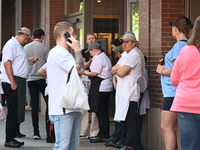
(135, 19)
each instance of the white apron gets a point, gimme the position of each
(127, 90)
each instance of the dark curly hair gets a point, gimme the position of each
(116, 42)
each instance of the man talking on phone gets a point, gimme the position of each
(36, 83)
(67, 122)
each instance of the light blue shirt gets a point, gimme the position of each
(167, 88)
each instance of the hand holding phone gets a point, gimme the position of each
(37, 58)
(67, 35)
(163, 60)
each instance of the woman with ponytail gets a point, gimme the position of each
(169, 124)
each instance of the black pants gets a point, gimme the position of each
(102, 115)
(3, 99)
(129, 125)
(118, 127)
(35, 87)
(12, 113)
(117, 134)
(139, 122)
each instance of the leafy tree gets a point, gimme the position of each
(135, 19)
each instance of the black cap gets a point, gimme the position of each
(119, 49)
(170, 23)
(180, 20)
(94, 45)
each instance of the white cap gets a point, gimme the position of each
(25, 30)
(128, 37)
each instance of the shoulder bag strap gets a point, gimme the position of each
(69, 74)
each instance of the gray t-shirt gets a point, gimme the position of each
(35, 49)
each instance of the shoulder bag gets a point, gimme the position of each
(74, 95)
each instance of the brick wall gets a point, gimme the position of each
(56, 10)
(8, 16)
(144, 14)
(155, 47)
(44, 23)
(6, 22)
(27, 14)
(170, 11)
(72, 6)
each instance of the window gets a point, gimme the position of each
(135, 18)
(193, 10)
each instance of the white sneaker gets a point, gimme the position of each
(84, 137)
(36, 137)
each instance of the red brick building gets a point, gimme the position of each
(108, 19)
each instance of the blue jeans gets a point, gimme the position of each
(189, 126)
(67, 130)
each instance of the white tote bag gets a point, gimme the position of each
(2, 114)
(74, 95)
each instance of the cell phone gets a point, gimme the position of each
(67, 35)
(37, 58)
(163, 61)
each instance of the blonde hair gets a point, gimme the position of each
(59, 28)
(92, 34)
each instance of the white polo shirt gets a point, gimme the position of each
(59, 64)
(13, 51)
(127, 86)
(101, 64)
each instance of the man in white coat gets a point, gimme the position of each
(128, 70)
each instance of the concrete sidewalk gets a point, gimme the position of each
(30, 144)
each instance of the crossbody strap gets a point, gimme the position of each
(183, 40)
(69, 74)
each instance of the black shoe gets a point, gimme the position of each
(108, 139)
(96, 140)
(129, 148)
(14, 143)
(3, 104)
(22, 143)
(50, 140)
(139, 148)
(110, 144)
(120, 144)
(19, 135)
(122, 148)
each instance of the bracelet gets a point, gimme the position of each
(161, 71)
